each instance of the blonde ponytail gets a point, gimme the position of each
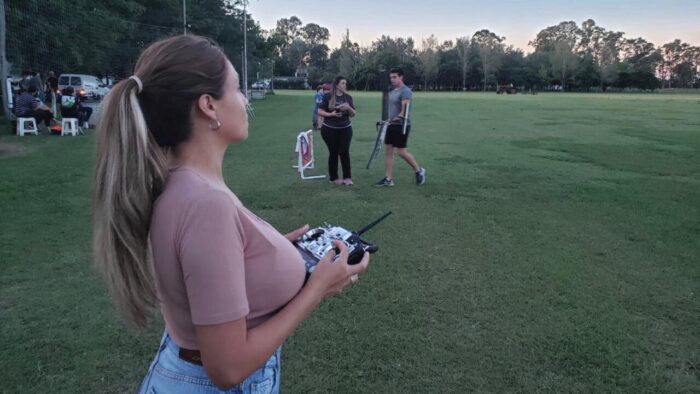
(130, 171)
(142, 117)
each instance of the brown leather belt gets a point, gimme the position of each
(191, 356)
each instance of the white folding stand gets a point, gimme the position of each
(305, 154)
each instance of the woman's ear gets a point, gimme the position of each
(207, 106)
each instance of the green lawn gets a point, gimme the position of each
(554, 248)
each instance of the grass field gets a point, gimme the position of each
(554, 248)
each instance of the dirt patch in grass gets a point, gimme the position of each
(8, 149)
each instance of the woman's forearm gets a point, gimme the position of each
(262, 340)
(270, 335)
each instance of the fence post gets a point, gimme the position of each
(3, 63)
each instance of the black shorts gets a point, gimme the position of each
(395, 136)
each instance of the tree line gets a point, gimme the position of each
(105, 38)
(566, 57)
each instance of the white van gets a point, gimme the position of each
(88, 86)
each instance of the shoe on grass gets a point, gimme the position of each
(420, 176)
(385, 182)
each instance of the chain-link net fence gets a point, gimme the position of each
(89, 46)
(84, 49)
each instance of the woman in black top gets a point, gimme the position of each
(337, 109)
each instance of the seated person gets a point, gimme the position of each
(27, 106)
(71, 107)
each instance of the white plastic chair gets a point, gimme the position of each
(69, 126)
(26, 126)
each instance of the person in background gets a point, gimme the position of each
(28, 106)
(73, 107)
(168, 231)
(24, 81)
(399, 116)
(51, 85)
(337, 108)
(35, 80)
(316, 119)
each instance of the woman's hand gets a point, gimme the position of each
(333, 273)
(346, 107)
(296, 234)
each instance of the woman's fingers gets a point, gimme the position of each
(360, 267)
(344, 251)
(294, 235)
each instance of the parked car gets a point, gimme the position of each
(261, 85)
(88, 86)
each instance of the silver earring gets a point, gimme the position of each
(217, 127)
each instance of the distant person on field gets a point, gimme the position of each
(72, 107)
(169, 233)
(316, 119)
(399, 99)
(51, 85)
(29, 106)
(337, 108)
(35, 81)
(24, 81)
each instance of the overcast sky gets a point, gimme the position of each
(659, 21)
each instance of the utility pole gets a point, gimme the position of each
(3, 63)
(245, 48)
(184, 17)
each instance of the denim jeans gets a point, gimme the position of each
(171, 374)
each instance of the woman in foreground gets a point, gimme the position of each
(169, 233)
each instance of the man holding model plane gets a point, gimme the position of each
(398, 129)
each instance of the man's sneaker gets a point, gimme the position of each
(420, 176)
(385, 182)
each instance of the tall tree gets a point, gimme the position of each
(604, 47)
(300, 46)
(641, 54)
(37, 32)
(387, 52)
(348, 57)
(609, 56)
(563, 61)
(639, 61)
(558, 42)
(428, 60)
(680, 63)
(463, 46)
(490, 48)
(288, 29)
(547, 39)
(513, 69)
(315, 37)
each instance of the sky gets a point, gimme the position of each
(659, 21)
